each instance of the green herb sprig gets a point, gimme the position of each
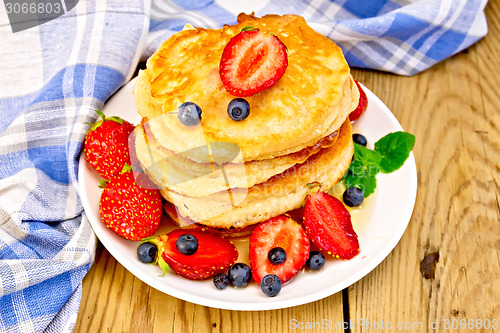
(389, 154)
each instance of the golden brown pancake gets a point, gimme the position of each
(233, 232)
(310, 101)
(184, 176)
(231, 174)
(281, 193)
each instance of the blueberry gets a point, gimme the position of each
(187, 244)
(315, 261)
(239, 274)
(189, 114)
(360, 139)
(238, 109)
(270, 285)
(276, 256)
(221, 281)
(146, 252)
(353, 196)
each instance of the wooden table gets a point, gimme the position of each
(453, 109)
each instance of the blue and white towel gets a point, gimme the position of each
(55, 76)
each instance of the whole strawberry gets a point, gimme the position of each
(129, 210)
(106, 145)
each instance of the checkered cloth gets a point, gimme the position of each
(54, 77)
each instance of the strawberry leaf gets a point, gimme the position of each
(148, 239)
(99, 123)
(163, 265)
(249, 28)
(95, 126)
(116, 119)
(126, 168)
(101, 114)
(103, 183)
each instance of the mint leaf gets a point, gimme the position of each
(362, 176)
(394, 149)
(366, 156)
(390, 154)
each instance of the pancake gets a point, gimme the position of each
(229, 174)
(232, 232)
(184, 176)
(283, 192)
(310, 101)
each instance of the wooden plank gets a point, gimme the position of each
(113, 300)
(453, 110)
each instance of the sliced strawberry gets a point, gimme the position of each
(328, 225)
(215, 254)
(106, 145)
(251, 62)
(129, 210)
(296, 214)
(362, 105)
(282, 232)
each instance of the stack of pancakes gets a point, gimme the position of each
(231, 174)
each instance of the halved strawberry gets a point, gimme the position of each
(106, 145)
(251, 62)
(296, 214)
(215, 254)
(129, 210)
(282, 232)
(362, 104)
(328, 225)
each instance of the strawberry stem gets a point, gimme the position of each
(99, 123)
(103, 183)
(313, 187)
(101, 114)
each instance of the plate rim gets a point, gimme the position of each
(272, 303)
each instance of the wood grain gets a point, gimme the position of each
(113, 300)
(453, 110)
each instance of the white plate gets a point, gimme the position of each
(380, 223)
